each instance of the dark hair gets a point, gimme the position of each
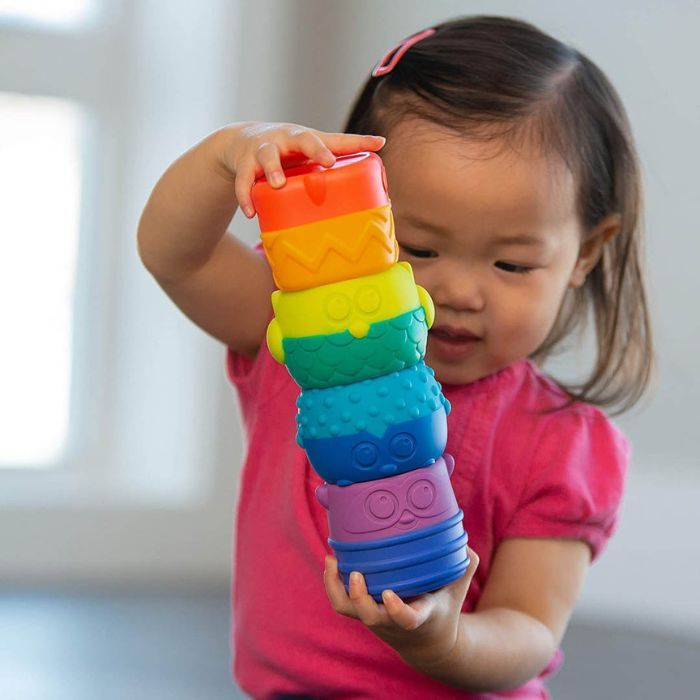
(496, 77)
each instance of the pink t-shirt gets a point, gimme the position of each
(516, 474)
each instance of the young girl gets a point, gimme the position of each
(515, 191)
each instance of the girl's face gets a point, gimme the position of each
(493, 236)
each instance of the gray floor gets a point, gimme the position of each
(118, 646)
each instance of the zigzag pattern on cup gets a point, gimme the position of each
(332, 250)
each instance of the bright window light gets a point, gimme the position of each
(49, 11)
(40, 190)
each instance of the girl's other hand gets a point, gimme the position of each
(257, 148)
(424, 630)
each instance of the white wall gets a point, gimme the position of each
(303, 60)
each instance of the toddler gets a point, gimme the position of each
(515, 190)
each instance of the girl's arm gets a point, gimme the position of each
(218, 281)
(520, 619)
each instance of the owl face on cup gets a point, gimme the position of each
(390, 506)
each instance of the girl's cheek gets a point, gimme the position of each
(425, 276)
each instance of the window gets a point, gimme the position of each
(42, 129)
(40, 182)
(139, 464)
(106, 390)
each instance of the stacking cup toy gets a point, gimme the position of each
(351, 327)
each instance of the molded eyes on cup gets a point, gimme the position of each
(402, 445)
(338, 306)
(368, 300)
(365, 454)
(382, 504)
(421, 495)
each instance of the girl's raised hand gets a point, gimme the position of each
(423, 631)
(256, 148)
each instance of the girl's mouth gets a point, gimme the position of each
(450, 343)
(452, 333)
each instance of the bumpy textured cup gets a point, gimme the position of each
(350, 459)
(374, 428)
(321, 361)
(353, 306)
(331, 250)
(370, 405)
(404, 532)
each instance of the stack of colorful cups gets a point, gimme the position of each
(351, 327)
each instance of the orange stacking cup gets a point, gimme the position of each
(326, 225)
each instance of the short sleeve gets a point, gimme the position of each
(576, 480)
(242, 371)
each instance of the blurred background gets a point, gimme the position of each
(120, 443)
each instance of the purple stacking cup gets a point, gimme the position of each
(402, 532)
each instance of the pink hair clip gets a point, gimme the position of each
(398, 51)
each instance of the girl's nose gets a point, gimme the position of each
(459, 289)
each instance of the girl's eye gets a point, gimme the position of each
(418, 253)
(510, 267)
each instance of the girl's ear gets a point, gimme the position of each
(592, 248)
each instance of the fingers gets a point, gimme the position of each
(342, 144)
(268, 155)
(245, 177)
(313, 146)
(335, 590)
(299, 142)
(358, 604)
(366, 607)
(408, 617)
(266, 149)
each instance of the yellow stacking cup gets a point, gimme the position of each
(351, 305)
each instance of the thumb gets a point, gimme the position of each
(473, 563)
(423, 609)
(461, 585)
